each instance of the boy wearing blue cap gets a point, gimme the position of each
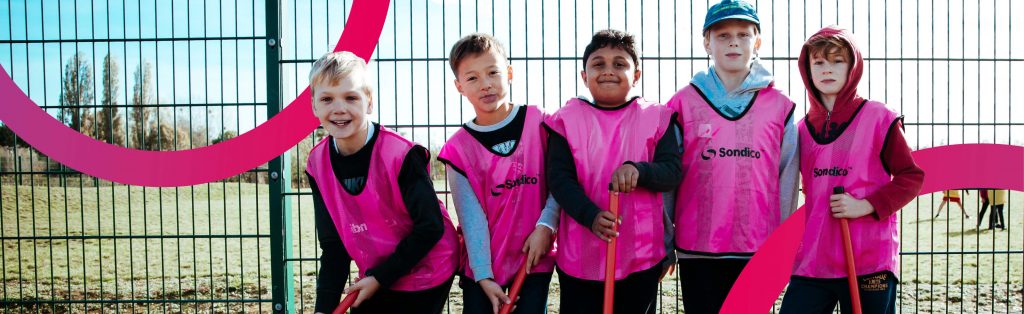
(739, 159)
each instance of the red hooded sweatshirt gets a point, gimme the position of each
(907, 176)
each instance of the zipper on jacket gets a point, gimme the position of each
(824, 128)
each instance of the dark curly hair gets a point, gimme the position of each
(615, 39)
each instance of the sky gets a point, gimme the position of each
(915, 52)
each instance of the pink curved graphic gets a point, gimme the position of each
(977, 166)
(201, 165)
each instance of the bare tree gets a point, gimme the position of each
(165, 136)
(141, 96)
(77, 93)
(108, 119)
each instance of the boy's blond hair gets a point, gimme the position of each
(471, 45)
(336, 66)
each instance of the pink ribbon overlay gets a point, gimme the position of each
(201, 165)
(977, 166)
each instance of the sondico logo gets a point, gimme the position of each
(746, 152)
(512, 183)
(831, 172)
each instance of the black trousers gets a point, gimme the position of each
(984, 207)
(706, 282)
(996, 219)
(819, 296)
(430, 301)
(634, 294)
(533, 296)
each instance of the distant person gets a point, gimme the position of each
(995, 220)
(983, 195)
(952, 196)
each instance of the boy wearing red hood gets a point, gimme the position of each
(857, 144)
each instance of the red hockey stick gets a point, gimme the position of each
(609, 272)
(851, 269)
(346, 303)
(517, 284)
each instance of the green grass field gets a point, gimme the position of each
(201, 258)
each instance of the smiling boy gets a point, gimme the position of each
(374, 203)
(623, 143)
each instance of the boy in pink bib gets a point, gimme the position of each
(495, 166)
(850, 142)
(374, 203)
(739, 159)
(624, 143)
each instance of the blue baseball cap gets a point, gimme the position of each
(731, 10)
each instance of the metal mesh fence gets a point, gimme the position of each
(74, 241)
(154, 76)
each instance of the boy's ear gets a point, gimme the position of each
(510, 73)
(458, 85)
(369, 104)
(583, 76)
(636, 77)
(757, 43)
(707, 44)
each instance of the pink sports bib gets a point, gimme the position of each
(373, 222)
(601, 140)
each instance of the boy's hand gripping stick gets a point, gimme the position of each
(609, 271)
(517, 284)
(851, 269)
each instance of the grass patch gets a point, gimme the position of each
(114, 242)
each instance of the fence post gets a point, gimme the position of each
(282, 287)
